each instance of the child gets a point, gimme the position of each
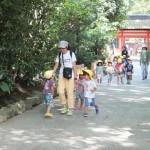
(89, 92)
(124, 62)
(79, 92)
(48, 92)
(129, 71)
(99, 72)
(119, 69)
(110, 70)
(114, 63)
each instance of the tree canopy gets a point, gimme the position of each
(31, 29)
(139, 7)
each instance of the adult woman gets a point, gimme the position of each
(67, 60)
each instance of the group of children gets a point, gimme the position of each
(86, 86)
(85, 92)
(120, 67)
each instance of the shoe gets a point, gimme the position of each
(85, 115)
(97, 109)
(64, 110)
(143, 78)
(48, 115)
(70, 113)
(75, 108)
(80, 108)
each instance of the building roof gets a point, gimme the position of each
(137, 22)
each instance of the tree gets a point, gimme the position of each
(29, 31)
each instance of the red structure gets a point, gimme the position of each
(137, 26)
(136, 33)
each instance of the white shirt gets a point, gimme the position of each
(88, 86)
(67, 62)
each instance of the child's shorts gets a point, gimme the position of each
(99, 76)
(109, 76)
(129, 77)
(89, 101)
(119, 73)
(80, 95)
(49, 100)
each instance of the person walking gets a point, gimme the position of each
(48, 92)
(67, 75)
(99, 72)
(89, 92)
(110, 71)
(79, 92)
(129, 71)
(144, 62)
(119, 70)
(124, 51)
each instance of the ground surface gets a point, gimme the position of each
(123, 123)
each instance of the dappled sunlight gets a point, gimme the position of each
(101, 93)
(120, 135)
(136, 100)
(118, 90)
(101, 135)
(145, 124)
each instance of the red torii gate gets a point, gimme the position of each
(133, 33)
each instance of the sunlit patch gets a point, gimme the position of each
(43, 141)
(120, 135)
(18, 132)
(28, 142)
(145, 130)
(145, 124)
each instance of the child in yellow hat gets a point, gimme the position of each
(119, 70)
(89, 92)
(79, 91)
(48, 92)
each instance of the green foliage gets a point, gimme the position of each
(30, 31)
(139, 7)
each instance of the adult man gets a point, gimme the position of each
(144, 62)
(67, 75)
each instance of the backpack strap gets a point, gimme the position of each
(62, 57)
(59, 57)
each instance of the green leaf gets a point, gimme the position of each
(5, 87)
(1, 76)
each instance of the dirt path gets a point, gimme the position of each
(123, 123)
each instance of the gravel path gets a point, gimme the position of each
(123, 123)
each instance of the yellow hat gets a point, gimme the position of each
(128, 58)
(124, 56)
(119, 60)
(81, 72)
(100, 61)
(90, 73)
(48, 74)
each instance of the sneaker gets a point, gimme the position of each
(64, 110)
(97, 109)
(48, 115)
(80, 108)
(69, 113)
(75, 108)
(85, 115)
(143, 78)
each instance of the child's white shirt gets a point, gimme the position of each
(88, 86)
